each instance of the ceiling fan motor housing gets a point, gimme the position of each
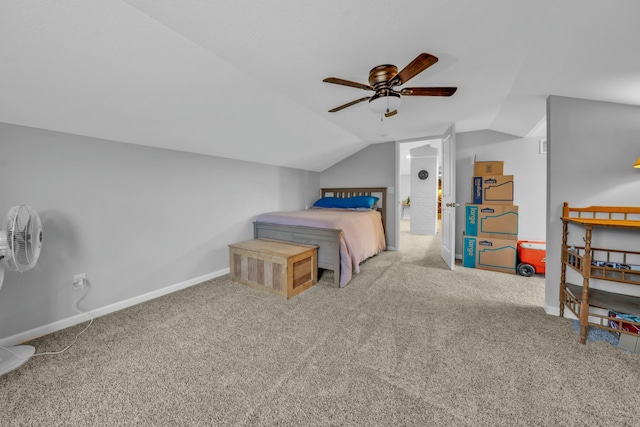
(380, 76)
(385, 100)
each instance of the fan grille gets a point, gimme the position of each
(23, 238)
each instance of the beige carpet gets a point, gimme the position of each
(407, 342)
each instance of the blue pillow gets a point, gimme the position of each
(367, 202)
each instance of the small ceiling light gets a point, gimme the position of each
(384, 102)
(637, 165)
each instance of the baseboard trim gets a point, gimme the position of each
(79, 318)
(551, 310)
(555, 311)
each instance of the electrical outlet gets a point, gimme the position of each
(80, 281)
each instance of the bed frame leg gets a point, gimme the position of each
(336, 263)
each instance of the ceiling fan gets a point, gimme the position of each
(384, 78)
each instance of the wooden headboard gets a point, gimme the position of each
(379, 192)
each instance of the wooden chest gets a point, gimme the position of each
(282, 268)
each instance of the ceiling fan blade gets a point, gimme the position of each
(415, 67)
(338, 81)
(391, 113)
(428, 91)
(349, 104)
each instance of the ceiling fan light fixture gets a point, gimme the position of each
(384, 102)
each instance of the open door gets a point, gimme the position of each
(448, 224)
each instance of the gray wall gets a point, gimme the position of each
(592, 147)
(522, 160)
(373, 166)
(134, 219)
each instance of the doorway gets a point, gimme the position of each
(419, 178)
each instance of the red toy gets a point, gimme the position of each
(532, 257)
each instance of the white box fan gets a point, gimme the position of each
(20, 243)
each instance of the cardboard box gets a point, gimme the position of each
(493, 190)
(489, 254)
(498, 221)
(487, 168)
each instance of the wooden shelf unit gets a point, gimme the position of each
(578, 298)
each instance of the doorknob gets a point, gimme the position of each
(452, 205)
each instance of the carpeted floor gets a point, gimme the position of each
(407, 342)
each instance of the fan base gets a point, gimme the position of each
(380, 75)
(13, 357)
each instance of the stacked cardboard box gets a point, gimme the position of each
(491, 220)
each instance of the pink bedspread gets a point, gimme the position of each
(362, 233)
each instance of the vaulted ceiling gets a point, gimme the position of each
(243, 79)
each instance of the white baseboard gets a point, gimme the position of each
(79, 318)
(555, 311)
(551, 311)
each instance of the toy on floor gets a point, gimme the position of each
(532, 258)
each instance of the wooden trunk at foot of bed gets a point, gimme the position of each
(281, 268)
(327, 241)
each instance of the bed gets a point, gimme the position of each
(345, 237)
